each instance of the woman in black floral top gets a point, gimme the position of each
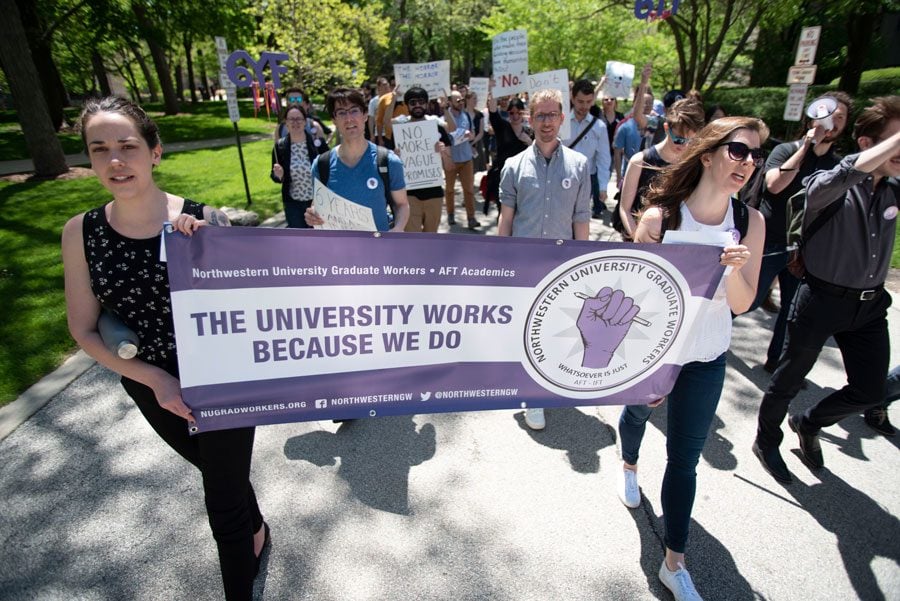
(111, 257)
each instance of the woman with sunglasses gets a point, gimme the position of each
(111, 258)
(291, 160)
(683, 121)
(695, 195)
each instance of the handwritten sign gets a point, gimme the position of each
(555, 80)
(243, 77)
(340, 213)
(793, 110)
(619, 77)
(434, 77)
(480, 86)
(510, 56)
(421, 164)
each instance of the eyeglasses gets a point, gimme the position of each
(295, 99)
(353, 113)
(679, 140)
(295, 120)
(417, 102)
(544, 117)
(738, 151)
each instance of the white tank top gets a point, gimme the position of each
(711, 334)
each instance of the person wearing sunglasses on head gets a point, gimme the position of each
(842, 293)
(695, 194)
(314, 126)
(291, 159)
(786, 168)
(684, 121)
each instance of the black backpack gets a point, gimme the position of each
(381, 160)
(797, 235)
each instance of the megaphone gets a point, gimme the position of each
(821, 110)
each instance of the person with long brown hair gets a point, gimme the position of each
(696, 195)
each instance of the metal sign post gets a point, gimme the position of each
(803, 73)
(233, 112)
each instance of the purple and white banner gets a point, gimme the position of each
(278, 326)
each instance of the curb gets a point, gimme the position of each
(40, 393)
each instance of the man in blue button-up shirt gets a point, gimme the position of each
(545, 190)
(588, 136)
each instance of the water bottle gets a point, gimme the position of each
(117, 337)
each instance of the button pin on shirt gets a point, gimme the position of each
(566, 183)
(372, 183)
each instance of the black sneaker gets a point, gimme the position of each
(473, 223)
(877, 419)
(451, 220)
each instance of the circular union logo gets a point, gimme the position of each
(604, 322)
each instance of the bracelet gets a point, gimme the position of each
(783, 170)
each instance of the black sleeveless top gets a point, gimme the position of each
(651, 167)
(128, 279)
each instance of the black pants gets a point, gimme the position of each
(223, 458)
(861, 332)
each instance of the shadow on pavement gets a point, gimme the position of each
(375, 457)
(580, 435)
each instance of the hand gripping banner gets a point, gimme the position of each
(278, 326)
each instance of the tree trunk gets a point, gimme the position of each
(34, 116)
(100, 73)
(158, 54)
(51, 82)
(132, 82)
(190, 68)
(179, 83)
(204, 85)
(145, 70)
(860, 31)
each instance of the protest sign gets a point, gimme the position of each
(434, 77)
(480, 86)
(271, 328)
(796, 100)
(421, 164)
(619, 77)
(510, 57)
(556, 80)
(340, 213)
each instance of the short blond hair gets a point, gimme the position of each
(543, 96)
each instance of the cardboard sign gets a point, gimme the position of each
(619, 77)
(796, 100)
(805, 75)
(480, 86)
(807, 46)
(421, 164)
(556, 80)
(434, 77)
(510, 56)
(340, 213)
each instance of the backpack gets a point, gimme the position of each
(798, 235)
(739, 211)
(381, 160)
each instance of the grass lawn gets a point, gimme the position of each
(34, 338)
(203, 121)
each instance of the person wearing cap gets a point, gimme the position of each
(460, 126)
(424, 203)
(842, 293)
(786, 168)
(545, 190)
(587, 135)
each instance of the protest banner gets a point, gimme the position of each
(481, 87)
(510, 58)
(421, 164)
(557, 80)
(434, 77)
(272, 328)
(619, 77)
(340, 213)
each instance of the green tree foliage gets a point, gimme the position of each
(324, 39)
(577, 36)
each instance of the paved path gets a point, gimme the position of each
(466, 506)
(80, 159)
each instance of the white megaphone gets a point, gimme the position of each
(821, 110)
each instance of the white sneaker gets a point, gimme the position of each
(679, 582)
(628, 489)
(534, 418)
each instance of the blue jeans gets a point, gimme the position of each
(295, 211)
(691, 407)
(774, 264)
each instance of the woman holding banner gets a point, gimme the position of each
(695, 195)
(292, 158)
(112, 257)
